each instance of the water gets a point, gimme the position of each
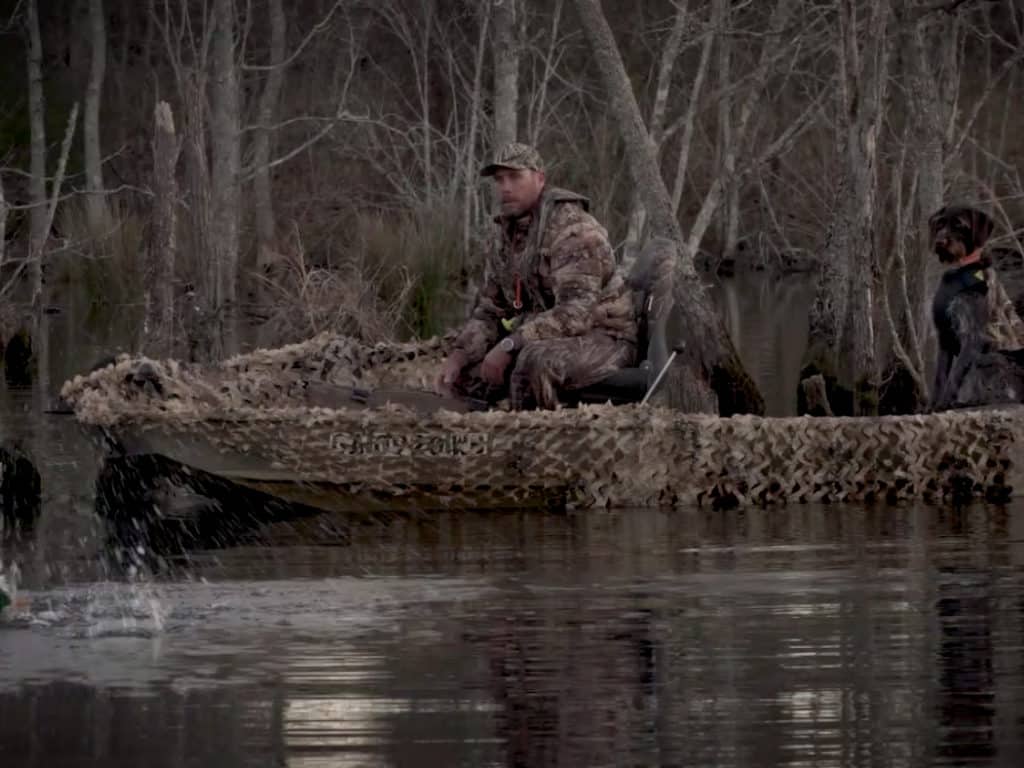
(838, 636)
(789, 637)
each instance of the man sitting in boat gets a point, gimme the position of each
(554, 312)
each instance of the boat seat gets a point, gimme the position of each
(651, 282)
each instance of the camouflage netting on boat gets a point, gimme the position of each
(255, 406)
(275, 378)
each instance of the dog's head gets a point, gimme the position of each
(957, 231)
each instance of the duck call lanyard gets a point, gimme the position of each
(509, 323)
(517, 302)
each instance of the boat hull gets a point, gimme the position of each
(365, 474)
(599, 456)
(341, 423)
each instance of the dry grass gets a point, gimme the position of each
(401, 278)
(306, 300)
(425, 246)
(107, 262)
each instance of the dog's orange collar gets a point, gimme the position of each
(970, 258)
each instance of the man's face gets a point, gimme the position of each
(518, 190)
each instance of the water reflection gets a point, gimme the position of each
(966, 707)
(767, 320)
(786, 637)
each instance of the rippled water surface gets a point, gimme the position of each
(791, 637)
(797, 637)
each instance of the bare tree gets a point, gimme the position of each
(726, 145)
(420, 33)
(843, 316)
(264, 208)
(37, 181)
(930, 73)
(771, 52)
(158, 327)
(712, 370)
(224, 177)
(904, 334)
(506, 72)
(828, 311)
(3, 229)
(656, 123)
(945, 121)
(931, 86)
(688, 120)
(197, 321)
(537, 93)
(436, 173)
(91, 121)
(41, 319)
(864, 76)
(475, 109)
(268, 127)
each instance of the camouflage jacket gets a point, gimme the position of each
(974, 293)
(1005, 326)
(973, 314)
(553, 275)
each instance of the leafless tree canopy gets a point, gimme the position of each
(786, 132)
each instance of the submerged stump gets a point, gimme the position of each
(20, 487)
(17, 359)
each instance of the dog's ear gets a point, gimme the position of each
(981, 227)
(935, 218)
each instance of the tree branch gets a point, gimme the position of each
(302, 46)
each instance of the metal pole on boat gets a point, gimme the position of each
(661, 375)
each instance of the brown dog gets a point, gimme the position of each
(972, 313)
(958, 231)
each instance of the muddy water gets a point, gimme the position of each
(798, 636)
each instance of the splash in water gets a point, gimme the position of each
(8, 587)
(5, 594)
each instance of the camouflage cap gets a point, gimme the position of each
(515, 155)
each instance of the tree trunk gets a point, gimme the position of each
(726, 140)
(158, 333)
(41, 319)
(226, 162)
(750, 106)
(91, 124)
(926, 144)
(470, 166)
(711, 366)
(201, 301)
(842, 344)
(426, 129)
(506, 73)
(669, 55)
(828, 312)
(37, 182)
(41, 355)
(690, 118)
(870, 75)
(266, 226)
(537, 105)
(905, 390)
(931, 112)
(3, 240)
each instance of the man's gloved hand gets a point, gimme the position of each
(494, 365)
(449, 373)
